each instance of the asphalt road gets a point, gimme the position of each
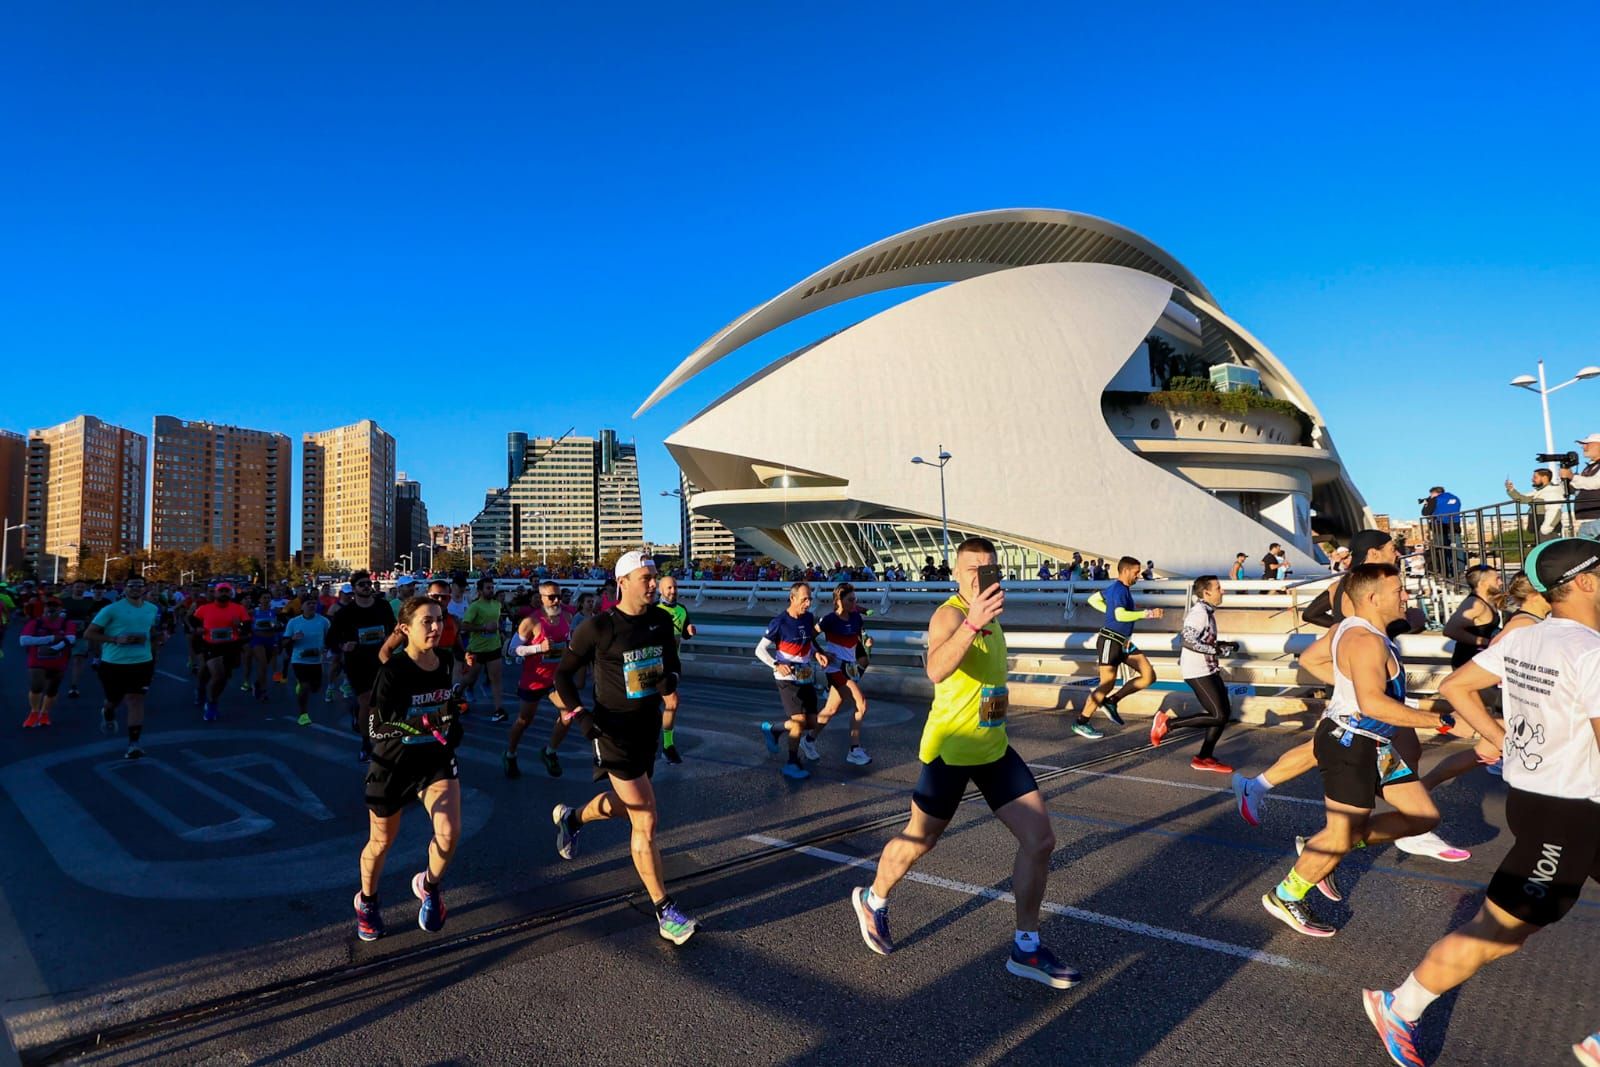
(202, 895)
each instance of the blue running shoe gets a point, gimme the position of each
(874, 922)
(1399, 1036)
(1588, 1051)
(565, 818)
(369, 920)
(431, 915)
(1110, 708)
(211, 712)
(1083, 729)
(770, 738)
(795, 771)
(674, 925)
(1041, 966)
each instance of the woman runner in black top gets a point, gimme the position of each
(413, 731)
(633, 649)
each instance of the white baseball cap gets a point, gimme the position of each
(632, 561)
(1592, 439)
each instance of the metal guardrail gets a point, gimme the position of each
(1499, 535)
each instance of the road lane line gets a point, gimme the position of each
(1168, 782)
(1160, 933)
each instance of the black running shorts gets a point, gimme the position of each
(941, 786)
(798, 698)
(126, 679)
(308, 675)
(228, 653)
(1350, 771)
(1112, 650)
(533, 696)
(361, 670)
(626, 747)
(395, 780)
(46, 680)
(486, 656)
(1556, 849)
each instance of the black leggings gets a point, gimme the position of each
(1213, 697)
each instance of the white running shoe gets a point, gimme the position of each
(1432, 845)
(808, 749)
(1250, 797)
(858, 756)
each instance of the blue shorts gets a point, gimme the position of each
(942, 785)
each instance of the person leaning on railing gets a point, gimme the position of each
(1545, 504)
(1586, 486)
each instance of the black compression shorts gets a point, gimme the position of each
(1355, 769)
(1557, 849)
(393, 781)
(626, 747)
(941, 785)
(126, 679)
(308, 674)
(228, 653)
(46, 680)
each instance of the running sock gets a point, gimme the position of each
(663, 904)
(1293, 887)
(875, 902)
(429, 885)
(368, 901)
(1261, 780)
(1412, 998)
(133, 734)
(811, 737)
(1027, 940)
(666, 738)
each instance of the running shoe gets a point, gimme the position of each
(1207, 763)
(244, 685)
(44, 719)
(73, 693)
(369, 920)
(674, 925)
(1110, 708)
(431, 915)
(134, 752)
(858, 756)
(1588, 1051)
(1083, 729)
(345, 690)
(508, 763)
(1251, 798)
(565, 817)
(108, 724)
(303, 720)
(277, 676)
(671, 752)
(31, 721)
(1497, 768)
(796, 771)
(1158, 727)
(211, 712)
(770, 738)
(1296, 915)
(1431, 844)
(1042, 966)
(1399, 1037)
(808, 749)
(552, 763)
(1327, 887)
(327, 695)
(499, 716)
(874, 922)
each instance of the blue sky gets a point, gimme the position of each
(518, 217)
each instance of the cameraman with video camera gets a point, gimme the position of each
(1545, 504)
(1586, 484)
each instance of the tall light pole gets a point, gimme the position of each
(1537, 385)
(544, 538)
(409, 565)
(429, 546)
(5, 546)
(105, 567)
(55, 579)
(944, 514)
(146, 568)
(683, 524)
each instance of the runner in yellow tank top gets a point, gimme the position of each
(964, 742)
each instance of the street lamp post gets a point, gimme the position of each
(146, 568)
(429, 546)
(544, 538)
(55, 578)
(944, 514)
(407, 557)
(105, 567)
(184, 576)
(1537, 385)
(5, 546)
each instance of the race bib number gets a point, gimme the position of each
(369, 635)
(309, 655)
(993, 703)
(803, 672)
(1390, 765)
(221, 635)
(263, 626)
(640, 675)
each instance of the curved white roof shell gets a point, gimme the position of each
(950, 250)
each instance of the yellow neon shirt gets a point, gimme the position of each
(964, 728)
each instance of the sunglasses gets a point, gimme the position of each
(551, 596)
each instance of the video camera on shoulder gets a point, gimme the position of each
(1565, 460)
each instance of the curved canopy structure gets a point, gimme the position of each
(950, 250)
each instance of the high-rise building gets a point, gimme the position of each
(347, 496)
(703, 538)
(13, 492)
(85, 493)
(573, 494)
(410, 520)
(220, 486)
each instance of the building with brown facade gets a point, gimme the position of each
(85, 493)
(13, 492)
(222, 487)
(347, 504)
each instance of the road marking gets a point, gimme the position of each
(1167, 782)
(1160, 933)
(176, 677)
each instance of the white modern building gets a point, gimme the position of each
(1065, 366)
